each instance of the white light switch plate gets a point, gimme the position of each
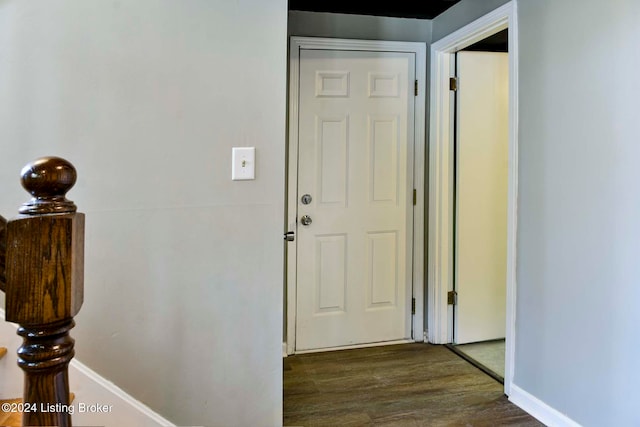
(243, 164)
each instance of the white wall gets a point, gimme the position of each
(579, 208)
(183, 286)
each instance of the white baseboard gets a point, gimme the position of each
(538, 409)
(284, 349)
(89, 388)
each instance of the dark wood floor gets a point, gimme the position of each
(400, 385)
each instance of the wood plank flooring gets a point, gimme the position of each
(10, 419)
(400, 385)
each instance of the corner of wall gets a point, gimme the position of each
(89, 388)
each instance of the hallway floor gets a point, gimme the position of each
(490, 354)
(400, 385)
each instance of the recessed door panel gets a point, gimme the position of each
(383, 270)
(332, 143)
(331, 269)
(383, 146)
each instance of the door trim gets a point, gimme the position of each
(419, 49)
(441, 179)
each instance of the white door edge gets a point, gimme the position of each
(419, 49)
(440, 228)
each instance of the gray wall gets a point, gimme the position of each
(579, 208)
(346, 26)
(462, 14)
(183, 299)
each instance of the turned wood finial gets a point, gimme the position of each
(48, 179)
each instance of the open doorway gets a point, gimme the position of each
(442, 177)
(480, 213)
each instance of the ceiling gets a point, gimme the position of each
(424, 9)
(499, 42)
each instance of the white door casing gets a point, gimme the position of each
(352, 150)
(441, 153)
(481, 196)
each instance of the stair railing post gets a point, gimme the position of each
(3, 250)
(44, 287)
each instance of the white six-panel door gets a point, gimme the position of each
(481, 196)
(355, 161)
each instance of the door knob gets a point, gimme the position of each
(305, 220)
(306, 199)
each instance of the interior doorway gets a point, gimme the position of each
(442, 177)
(480, 224)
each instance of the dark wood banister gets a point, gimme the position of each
(3, 250)
(41, 265)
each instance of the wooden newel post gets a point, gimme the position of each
(44, 287)
(3, 250)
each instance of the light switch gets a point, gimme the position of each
(243, 164)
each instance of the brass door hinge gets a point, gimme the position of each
(415, 197)
(453, 83)
(452, 298)
(413, 306)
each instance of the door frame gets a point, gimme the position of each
(441, 179)
(419, 49)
